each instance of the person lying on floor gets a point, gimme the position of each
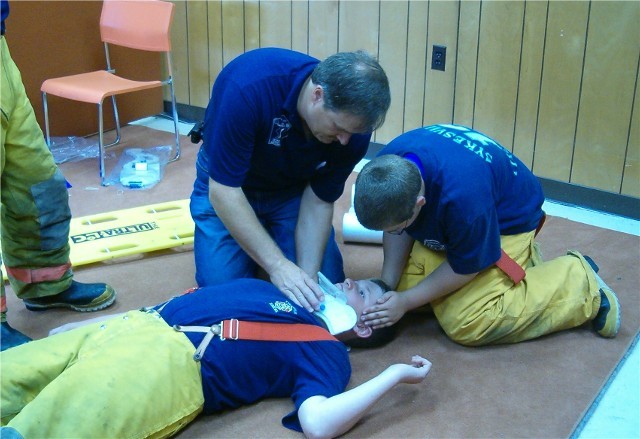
(136, 374)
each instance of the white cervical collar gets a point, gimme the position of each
(334, 311)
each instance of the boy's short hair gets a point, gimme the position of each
(386, 191)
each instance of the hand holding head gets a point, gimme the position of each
(354, 297)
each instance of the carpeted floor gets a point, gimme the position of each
(535, 389)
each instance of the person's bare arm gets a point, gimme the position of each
(322, 417)
(393, 305)
(233, 208)
(396, 249)
(312, 231)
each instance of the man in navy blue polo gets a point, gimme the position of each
(282, 133)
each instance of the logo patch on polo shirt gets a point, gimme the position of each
(434, 245)
(283, 306)
(279, 130)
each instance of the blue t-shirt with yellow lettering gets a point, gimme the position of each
(475, 191)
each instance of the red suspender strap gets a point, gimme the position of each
(35, 275)
(510, 267)
(236, 329)
(541, 223)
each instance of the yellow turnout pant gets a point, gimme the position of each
(130, 377)
(555, 295)
(35, 213)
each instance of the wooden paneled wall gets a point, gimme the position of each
(556, 82)
(48, 39)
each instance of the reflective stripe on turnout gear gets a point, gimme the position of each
(36, 275)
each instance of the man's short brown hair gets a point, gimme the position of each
(386, 191)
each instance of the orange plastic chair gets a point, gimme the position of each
(136, 24)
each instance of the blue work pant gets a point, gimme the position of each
(218, 256)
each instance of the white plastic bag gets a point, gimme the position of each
(140, 168)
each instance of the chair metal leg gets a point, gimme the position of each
(116, 118)
(174, 112)
(47, 136)
(101, 145)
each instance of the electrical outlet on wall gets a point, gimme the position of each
(438, 57)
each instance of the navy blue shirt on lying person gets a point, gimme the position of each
(4, 13)
(475, 191)
(242, 372)
(254, 138)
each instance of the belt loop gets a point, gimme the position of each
(541, 223)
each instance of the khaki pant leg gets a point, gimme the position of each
(422, 262)
(129, 377)
(35, 202)
(554, 295)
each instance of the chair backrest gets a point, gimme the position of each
(137, 24)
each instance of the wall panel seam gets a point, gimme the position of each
(544, 49)
(188, 52)
(475, 79)
(633, 102)
(580, 89)
(455, 67)
(426, 64)
(517, 97)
